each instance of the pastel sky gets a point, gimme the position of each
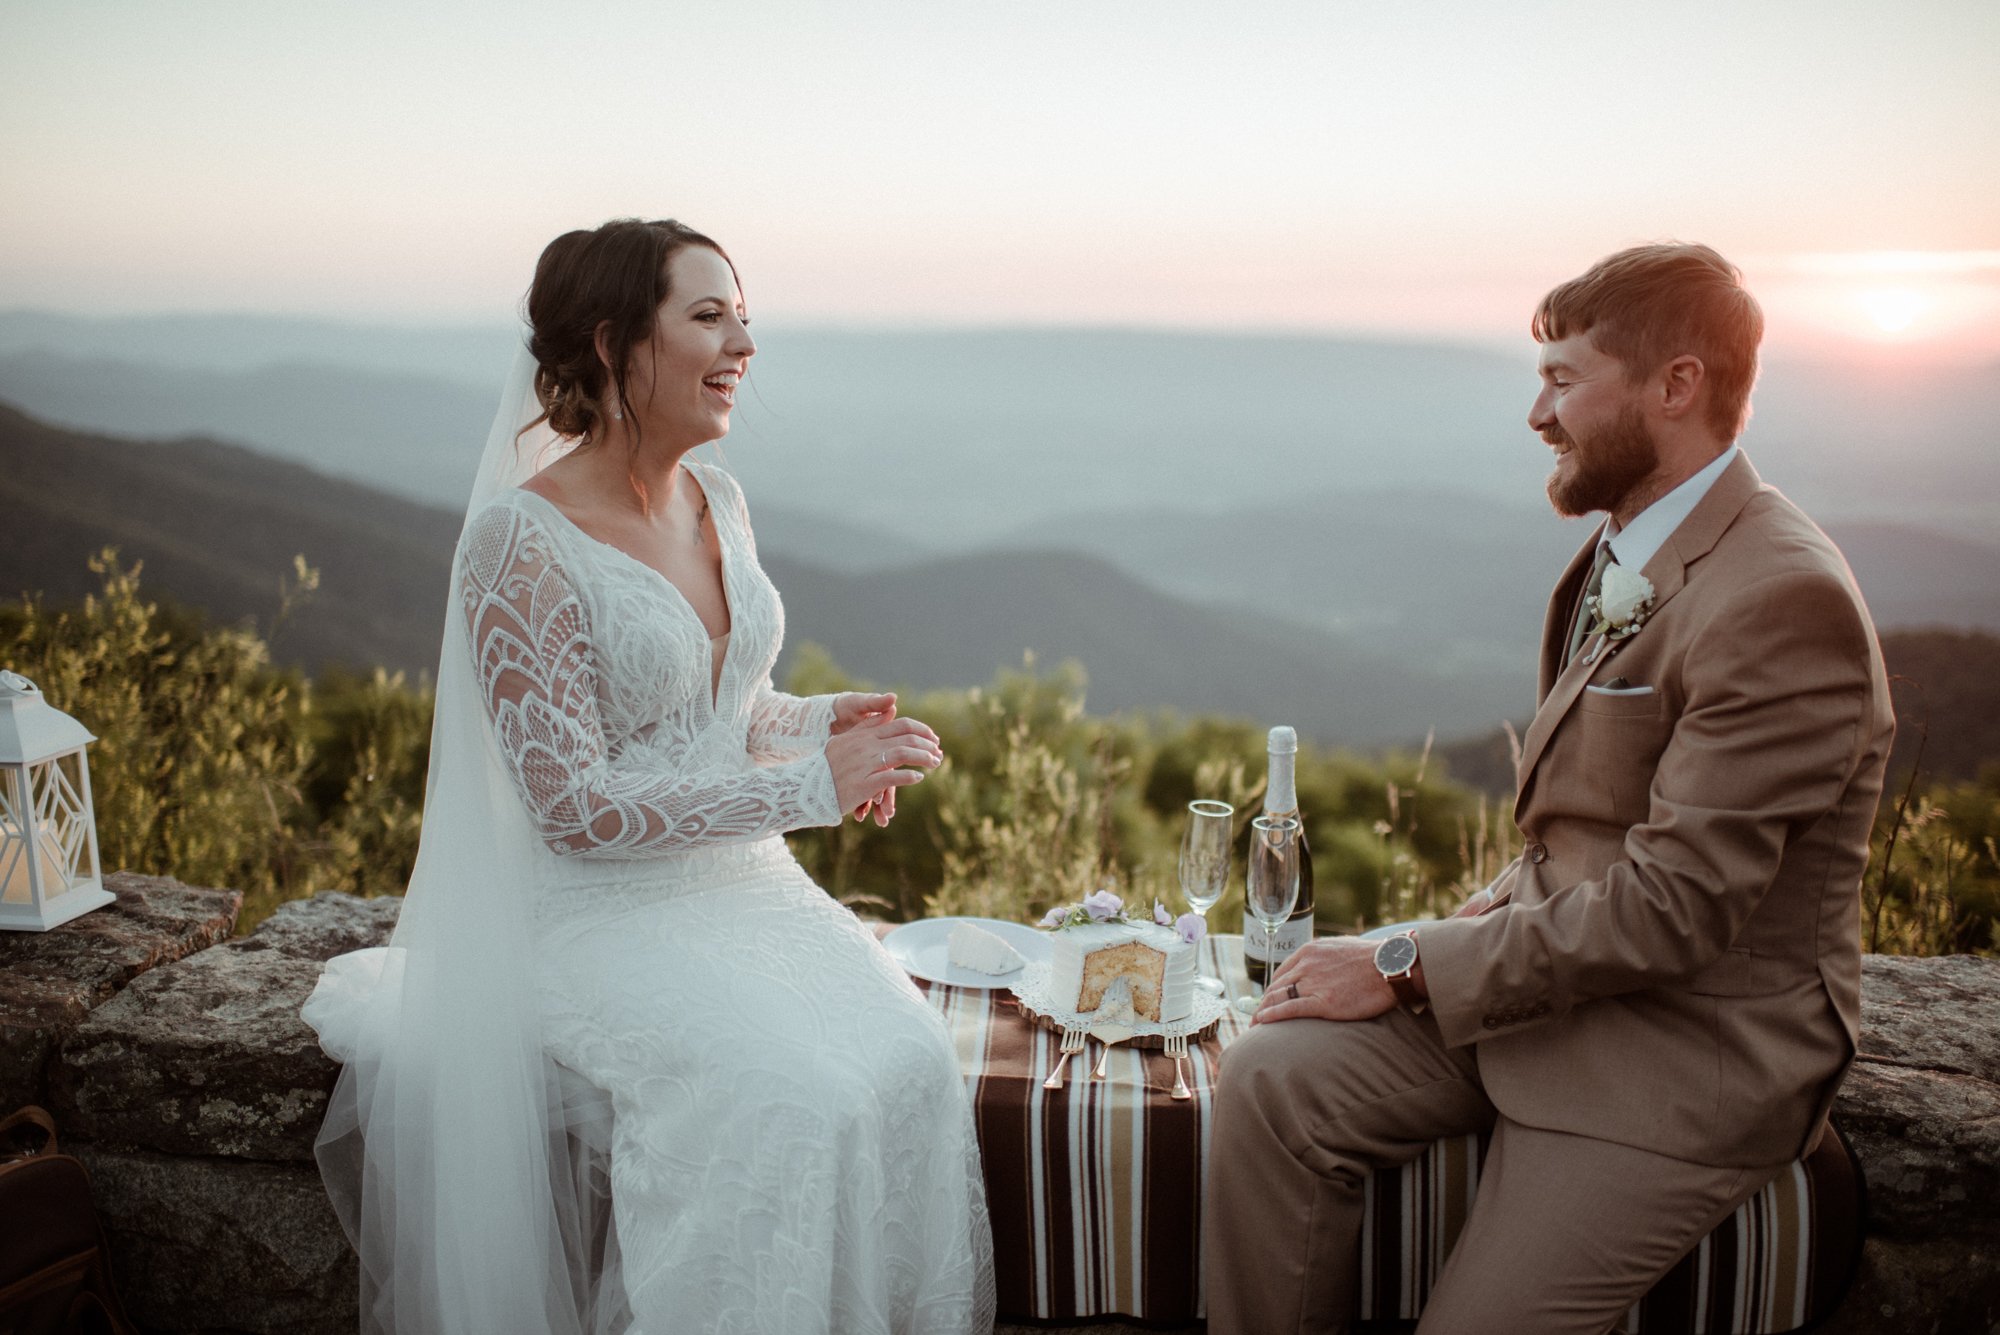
(1420, 169)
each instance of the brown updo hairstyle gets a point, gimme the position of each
(613, 276)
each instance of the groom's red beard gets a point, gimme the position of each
(1605, 466)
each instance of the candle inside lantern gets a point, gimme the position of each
(16, 849)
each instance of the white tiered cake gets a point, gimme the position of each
(1087, 962)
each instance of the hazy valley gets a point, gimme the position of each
(1349, 535)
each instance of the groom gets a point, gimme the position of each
(1650, 1009)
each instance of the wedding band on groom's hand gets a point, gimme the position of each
(1295, 991)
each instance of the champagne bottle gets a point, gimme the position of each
(1281, 799)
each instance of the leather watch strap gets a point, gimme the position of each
(1403, 983)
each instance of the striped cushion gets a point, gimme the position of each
(1780, 1263)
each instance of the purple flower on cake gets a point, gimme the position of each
(1103, 905)
(1192, 927)
(1055, 918)
(1161, 916)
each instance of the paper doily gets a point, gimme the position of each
(1037, 998)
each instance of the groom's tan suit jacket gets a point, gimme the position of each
(1673, 962)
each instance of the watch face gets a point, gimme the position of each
(1396, 955)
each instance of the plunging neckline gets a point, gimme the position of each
(717, 676)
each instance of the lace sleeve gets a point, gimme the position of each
(537, 672)
(785, 727)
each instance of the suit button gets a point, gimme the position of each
(1489, 1022)
(1538, 853)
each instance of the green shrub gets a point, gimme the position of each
(1933, 886)
(201, 750)
(214, 767)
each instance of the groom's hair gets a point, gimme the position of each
(1650, 304)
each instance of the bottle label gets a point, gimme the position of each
(1295, 933)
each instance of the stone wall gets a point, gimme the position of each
(177, 1066)
(192, 1092)
(1922, 1108)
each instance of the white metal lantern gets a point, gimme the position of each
(48, 827)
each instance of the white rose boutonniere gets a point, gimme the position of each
(1621, 605)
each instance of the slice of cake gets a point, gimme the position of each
(971, 946)
(1088, 960)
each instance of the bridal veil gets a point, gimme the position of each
(466, 1168)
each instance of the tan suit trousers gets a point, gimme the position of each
(1565, 1233)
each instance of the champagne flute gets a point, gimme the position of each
(1204, 869)
(1271, 890)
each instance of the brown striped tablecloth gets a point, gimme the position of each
(1094, 1189)
(1095, 1192)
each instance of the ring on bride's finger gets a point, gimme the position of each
(1295, 991)
(885, 760)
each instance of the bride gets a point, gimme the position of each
(625, 1067)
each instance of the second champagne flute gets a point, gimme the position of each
(1204, 869)
(1272, 887)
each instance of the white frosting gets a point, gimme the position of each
(1069, 947)
(973, 947)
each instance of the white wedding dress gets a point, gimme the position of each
(790, 1146)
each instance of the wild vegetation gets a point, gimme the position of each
(217, 768)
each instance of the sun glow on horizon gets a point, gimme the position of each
(1942, 300)
(1893, 309)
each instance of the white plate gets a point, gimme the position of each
(923, 948)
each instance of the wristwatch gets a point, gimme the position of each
(1396, 959)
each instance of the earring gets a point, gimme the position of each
(617, 414)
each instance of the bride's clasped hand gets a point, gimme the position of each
(872, 753)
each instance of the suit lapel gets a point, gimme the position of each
(1667, 572)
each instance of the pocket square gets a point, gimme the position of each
(1618, 686)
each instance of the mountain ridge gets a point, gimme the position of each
(217, 526)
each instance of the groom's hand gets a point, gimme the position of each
(1336, 979)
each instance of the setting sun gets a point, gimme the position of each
(1944, 301)
(1893, 309)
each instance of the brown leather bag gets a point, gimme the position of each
(55, 1273)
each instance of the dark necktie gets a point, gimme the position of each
(1590, 590)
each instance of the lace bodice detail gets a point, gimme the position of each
(596, 675)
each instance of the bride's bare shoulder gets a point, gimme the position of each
(547, 485)
(577, 492)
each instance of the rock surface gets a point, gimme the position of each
(49, 981)
(1922, 1101)
(205, 1244)
(1932, 1014)
(1918, 1288)
(210, 1057)
(1921, 1106)
(326, 925)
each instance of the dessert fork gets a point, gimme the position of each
(1072, 1043)
(1177, 1048)
(1109, 1035)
